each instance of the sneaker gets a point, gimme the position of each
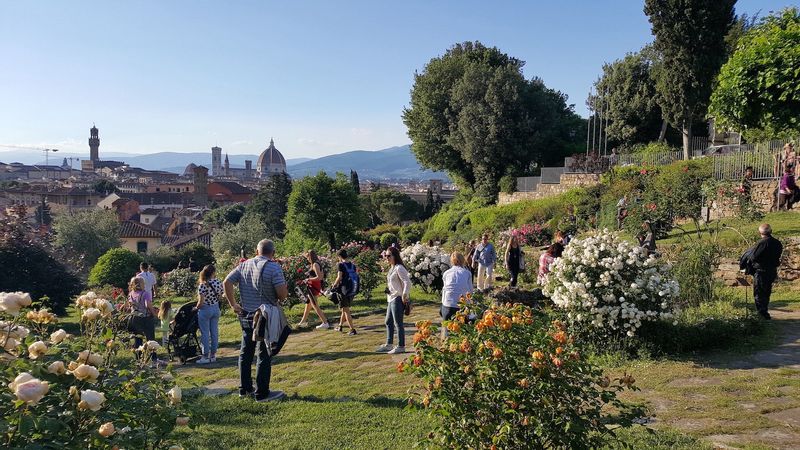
(213, 359)
(247, 395)
(324, 326)
(352, 332)
(338, 328)
(302, 324)
(272, 396)
(203, 360)
(385, 348)
(397, 350)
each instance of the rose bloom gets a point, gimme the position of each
(13, 331)
(182, 421)
(10, 344)
(37, 349)
(106, 429)
(91, 400)
(10, 303)
(85, 372)
(43, 316)
(105, 307)
(175, 395)
(31, 391)
(94, 359)
(153, 346)
(57, 368)
(91, 314)
(58, 336)
(21, 378)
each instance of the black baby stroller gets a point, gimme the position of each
(183, 341)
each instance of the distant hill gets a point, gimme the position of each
(390, 163)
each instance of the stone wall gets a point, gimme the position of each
(728, 270)
(567, 181)
(763, 195)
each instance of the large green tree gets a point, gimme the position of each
(473, 114)
(389, 206)
(321, 207)
(225, 215)
(270, 203)
(86, 235)
(690, 35)
(758, 90)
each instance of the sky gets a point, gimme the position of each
(320, 77)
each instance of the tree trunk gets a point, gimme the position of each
(662, 135)
(687, 139)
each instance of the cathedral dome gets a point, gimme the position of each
(271, 161)
(189, 171)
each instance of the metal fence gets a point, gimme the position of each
(552, 175)
(528, 184)
(765, 164)
(648, 159)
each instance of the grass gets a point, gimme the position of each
(736, 233)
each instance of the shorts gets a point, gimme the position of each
(315, 287)
(345, 301)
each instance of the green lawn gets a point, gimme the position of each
(738, 233)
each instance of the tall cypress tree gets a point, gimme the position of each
(354, 181)
(270, 203)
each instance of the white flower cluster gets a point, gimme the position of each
(94, 306)
(425, 265)
(611, 283)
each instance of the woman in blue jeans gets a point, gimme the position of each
(209, 292)
(398, 295)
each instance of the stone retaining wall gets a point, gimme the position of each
(728, 270)
(762, 193)
(567, 181)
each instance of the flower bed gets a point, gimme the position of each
(426, 266)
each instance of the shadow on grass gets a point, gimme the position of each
(380, 401)
(326, 356)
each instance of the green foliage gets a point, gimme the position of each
(354, 181)
(269, 204)
(104, 187)
(85, 235)
(197, 253)
(225, 215)
(508, 184)
(444, 223)
(375, 234)
(690, 36)
(295, 243)
(179, 283)
(389, 206)
(693, 265)
(758, 91)
(512, 380)
(321, 207)
(653, 148)
(369, 271)
(27, 266)
(162, 258)
(475, 115)
(387, 239)
(116, 267)
(244, 235)
(411, 233)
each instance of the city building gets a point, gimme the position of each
(270, 162)
(228, 192)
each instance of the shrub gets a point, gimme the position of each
(693, 266)
(98, 400)
(530, 235)
(369, 271)
(198, 254)
(179, 283)
(115, 267)
(28, 266)
(512, 380)
(607, 285)
(162, 259)
(387, 239)
(412, 233)
(508, 184)
(426, 266)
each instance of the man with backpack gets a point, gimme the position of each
(261, 282)
(346, 286)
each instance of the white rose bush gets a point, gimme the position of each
(425, 266)
(63, 391)
(609, 285)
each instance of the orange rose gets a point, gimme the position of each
(467, 369)
(426, 401)
(537, 355)
(536, 365)
(523, 383)
(557, 362)
(465, 346)
(559, 350)
(453, 347)
(417, 360)
(497, 353)
(418, 338)
(505, 324)
(469, 295)
(560, 337)
(401, 366)
(480, 327)
(454, 327)
(488, 344)
(437, 383)
(426, 332)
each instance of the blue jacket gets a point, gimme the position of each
(485, 255)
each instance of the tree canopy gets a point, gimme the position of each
(104, 187)
(270, 204)
(321, 207)
(389, 206)
(758, 89)
(86, 235)
(474, 115)
(225, 215)
(690, 35)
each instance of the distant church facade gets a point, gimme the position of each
(270, 162)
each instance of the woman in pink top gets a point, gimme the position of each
(546, 260)
(143, 315)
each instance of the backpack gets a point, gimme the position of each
(352, 284)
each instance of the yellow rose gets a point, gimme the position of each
(91, 400)
(31, 391)
(58, 336)
(57, 368)
(37, 349)
(85, 372)
(175, 395)
(107, 429)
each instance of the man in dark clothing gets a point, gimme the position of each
(765, 259)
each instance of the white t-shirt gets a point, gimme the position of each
(149, 280)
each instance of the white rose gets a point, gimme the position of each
(175, 395)
(14, 331)
(21, 378)
(58, 336)
(94, 359)
(10, 303)
(182, 421)
(106, 429)
(124, 430)
(105, 307)
(37, 349)
(57, 368)
(91, 314)
(153, 346)
(10, 344)
(23, 298)
(85, 372)
(91, 400)
(31, 391)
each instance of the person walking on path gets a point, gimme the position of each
(486, 257)
(457, 284)
(399, 294)
(345, 285)
(148, 277)
(209, 292)
(261, 281)
(314, 284)
(514, 260)
(764, 258)
(473, 265)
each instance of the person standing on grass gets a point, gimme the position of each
(143, 314)
(314, 284)
(398, 284)
(345, 285)
(486, 257)
(473, 265)
(765, 257)
(209, 293)
(787, 190)
(457, 283)
(260, 281)
(513, 260)
(148, 277)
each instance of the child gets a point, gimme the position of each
(165, 315)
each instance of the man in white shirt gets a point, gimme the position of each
(148, 277)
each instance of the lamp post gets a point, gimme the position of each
(47, 159)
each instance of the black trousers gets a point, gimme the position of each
(762, 288)
(513, 279)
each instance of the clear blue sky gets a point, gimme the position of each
(320, 77)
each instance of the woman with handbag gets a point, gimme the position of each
(513, 260)
(398, 297)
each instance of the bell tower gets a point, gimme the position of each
(216, 161)
(94, 144)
